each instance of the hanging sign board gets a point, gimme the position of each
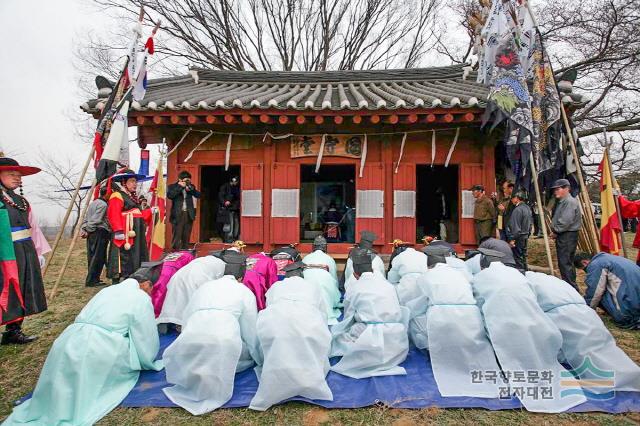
(468, 204)
(349, 146)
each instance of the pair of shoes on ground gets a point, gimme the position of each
(16, 338)
(98, 284)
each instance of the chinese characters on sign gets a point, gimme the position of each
(349, 146)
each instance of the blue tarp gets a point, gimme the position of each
(417, 389)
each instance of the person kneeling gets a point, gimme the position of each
(96, 361)
(218, 339)
(372, 338)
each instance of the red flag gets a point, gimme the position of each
(155, 236)
(610, 228)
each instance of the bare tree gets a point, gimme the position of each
(289, 34)
(61, 177)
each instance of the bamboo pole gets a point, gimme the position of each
(543, 223)
(68, 212)
(76, 234)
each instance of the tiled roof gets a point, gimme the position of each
(202, 89)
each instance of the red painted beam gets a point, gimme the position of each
(469, 116)
(338, 119)
(393, 119)
(264, 118)
(228, 118)
(412, 118)
(357, 119)
(375, 119)
(300, 119)
(447, 118)
(175, 119)
(246, 119)
(141, 119)
(431, 118)
(158, 119)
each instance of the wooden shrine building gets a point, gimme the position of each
(391, 162)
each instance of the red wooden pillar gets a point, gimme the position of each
(489, 159)
(387, 155)
(269, 160)
(251, 178)
(367, 187)
(404, 191)
(470, 174)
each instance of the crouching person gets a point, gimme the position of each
(372, 338)
(295, 342)
(218, 339)
(96, 361)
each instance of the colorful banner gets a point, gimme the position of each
(349, 146)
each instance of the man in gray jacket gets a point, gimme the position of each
(95, 229)
(566, 222)
(519, 229)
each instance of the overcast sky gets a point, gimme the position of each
(38, 83)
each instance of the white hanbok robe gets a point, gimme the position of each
(184, 283)
(372, 337)
(318, 257)
(523, 337)
(295, 344)
(458, 343)
(377, 265)
(408, 262)
(217, 340)
(585, 339)
(96, 361)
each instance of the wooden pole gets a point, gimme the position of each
(543, 223)
(76, 234)
(615, 196)
(68, 212)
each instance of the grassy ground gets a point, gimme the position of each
(20, 367)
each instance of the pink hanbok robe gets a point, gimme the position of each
(170, 266)
(261, 273)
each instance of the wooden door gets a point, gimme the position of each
(370, 201)
(251, 213)
(404, 203)
(285, 203)
(470, 174)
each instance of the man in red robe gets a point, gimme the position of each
(629, 210)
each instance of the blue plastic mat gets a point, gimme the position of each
(417, 389)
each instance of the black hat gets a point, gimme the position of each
(295, 269)
(366, 239)
(362, 261)
(489, 256)
(148, 271)
(560, 183)
(320, 243)
(125, 174)
(437, 254)
(477, 188)
(235, 263)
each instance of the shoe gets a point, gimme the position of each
(98, 284)
(16, 338)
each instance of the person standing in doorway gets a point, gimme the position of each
(518, 229)
(183, 210)
(566, 222)
(228, 212)
(96, 230)
(505, 207)
(484, 213)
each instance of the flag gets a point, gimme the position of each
(609, 224)
(118, 134)
(158, 190)
(8, 265)
(144, 162)
(140, 84)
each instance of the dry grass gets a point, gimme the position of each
(21, 366)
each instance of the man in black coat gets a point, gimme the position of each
(519, 228)
(228, 210)
(183, 211)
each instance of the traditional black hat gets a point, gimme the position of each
(295, 269)
(362, 261)
(9, 165)
(366, 239)
(126, 174)
(437, 254)
(489, 256)
(148, 271)
(235, 263)
(320, 243)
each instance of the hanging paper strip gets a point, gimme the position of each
(404, 140)
(453, 146)
(196, 147)
(363, 159)
(433, 147)
(320, 152)
(179, 142)
(227, 153)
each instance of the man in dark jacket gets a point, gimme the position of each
(505, 207)
(566, 222)
(183, 211)
(95, 228)
(228, 212)
(484, 213)
(519, 228)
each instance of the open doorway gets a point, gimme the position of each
(327, 203)
(437, 202)
(211, 179)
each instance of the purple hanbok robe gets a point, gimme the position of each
(170, 266)
(261, 273)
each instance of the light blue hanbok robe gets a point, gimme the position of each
(96, 361)
(326, 280)
(218, 340)
(523, 338)
(584, 336)
(372, 337)
(318, 257)
(295, 344)
(457, 340)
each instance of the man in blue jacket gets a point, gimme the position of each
(613, 283)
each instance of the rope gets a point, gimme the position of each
(196, 147)
(227, 153)
(180, 141)
(453, 145)
(404, 140)
(433, 147)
